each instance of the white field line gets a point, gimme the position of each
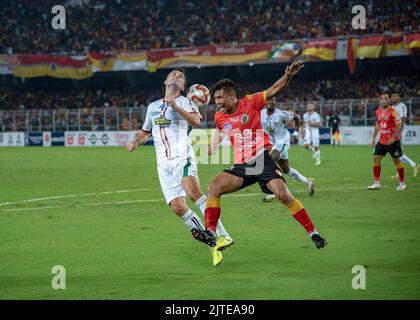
(76, 206)
(74, 196)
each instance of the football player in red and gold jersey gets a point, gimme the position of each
(388, 122)
(239, 119)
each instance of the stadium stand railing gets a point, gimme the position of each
(353, 112)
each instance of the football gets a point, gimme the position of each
(199, 94)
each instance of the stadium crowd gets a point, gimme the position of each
(107, 25)
(297, 91)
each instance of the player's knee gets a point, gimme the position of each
(285, 168)
(213, 190)
(306, 146)
(178, 207)
(284, 197)
(193, 195)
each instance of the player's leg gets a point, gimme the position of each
(192, 187)
(315, 143)
(380, 152)
(307, 143)
(180, 208)
(405, 159)
(296, 208)
(223, 183)
(292, 172)
(175, 194)
(275, 154)
(396, 154)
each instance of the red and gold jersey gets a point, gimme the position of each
(387, 120)
(244, 128)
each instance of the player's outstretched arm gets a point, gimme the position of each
(217, 139)
(282, 83)
(141, 138)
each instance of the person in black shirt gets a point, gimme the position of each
(334, 124)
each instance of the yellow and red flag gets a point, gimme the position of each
(395, 46)
(102, 61)
(413, 43)
(321, 49)
(28, 66)
(370, 47)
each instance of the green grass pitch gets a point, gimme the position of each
(129, 245)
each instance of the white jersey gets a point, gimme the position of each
(275, 125)
(169, 129)
(401, 109)
(311, 133)
(402, 112)
(314, 117)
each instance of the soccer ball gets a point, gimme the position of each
(199, 94)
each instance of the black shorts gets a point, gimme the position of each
(263, 175)
(394, 149)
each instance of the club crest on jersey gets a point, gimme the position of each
(227, 127)
(386, 118)
(244, 119)
(162, 122)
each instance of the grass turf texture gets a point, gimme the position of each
(141, 250)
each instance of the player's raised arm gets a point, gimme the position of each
(193, 118)
(282, 83)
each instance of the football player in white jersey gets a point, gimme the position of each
(310, 132)
(274, 122)
(167, 121)
(402, 111)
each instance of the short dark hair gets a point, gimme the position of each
(224, 84)
(396, 92)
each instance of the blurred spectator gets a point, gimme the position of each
(107, 25)
(297, 91)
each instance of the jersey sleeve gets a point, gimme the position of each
(403, 111)
(396, 116)
(305, 117)
(258, 100)
(147, 125)
(287, 116)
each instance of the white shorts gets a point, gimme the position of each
(283, 148)
(171, 173)
(312, 137)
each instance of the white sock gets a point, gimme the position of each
(312, 233)
(297, 176)
(318, 154)
(192, 220)
(201, 204)
(408, 161)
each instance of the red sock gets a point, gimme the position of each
(299, 213)
(212, 213)
(400, 169)
(377, 172)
